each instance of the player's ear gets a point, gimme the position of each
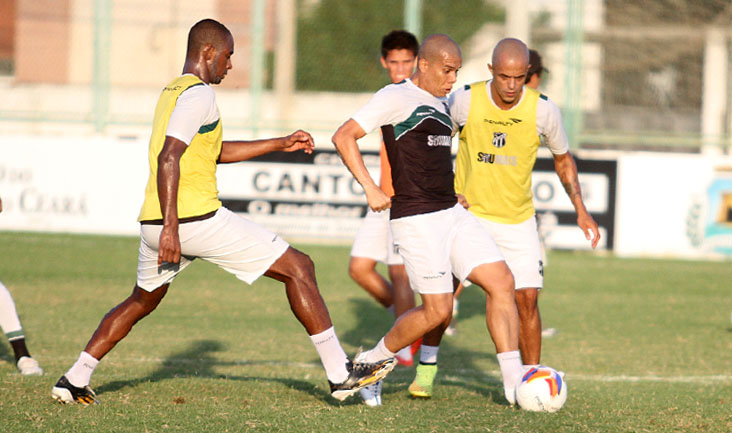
(208, 53)
(383, 62)
(490, 68)
(422, 64)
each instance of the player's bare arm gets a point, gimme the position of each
(236, 151)
(567, 170)
(168, 179)
(345, 143)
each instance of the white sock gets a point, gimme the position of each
(331, 354)
(378, 353)
(405, 353)
(511, 370)
(9, 321)
(428, 354)
(80, 373)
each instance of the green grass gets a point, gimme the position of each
(646, 345)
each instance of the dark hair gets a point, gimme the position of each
(399, 40)
(206, 31)
(536, 67)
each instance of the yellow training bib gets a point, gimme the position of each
(197, 190)
(496, 156)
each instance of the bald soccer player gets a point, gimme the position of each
(182, 219)
(501, 124)
(434, 234)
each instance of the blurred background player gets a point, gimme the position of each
(536, 70)
(434, 234)
(493, 174)
(10, 324)
(373, 241)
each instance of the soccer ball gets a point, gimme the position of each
(542, 389)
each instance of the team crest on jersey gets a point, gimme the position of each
(499, 139)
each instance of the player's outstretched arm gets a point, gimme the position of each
(236, 151)
(345, 143)
(567, 170)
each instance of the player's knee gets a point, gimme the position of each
(527, 301)
(438, 313)
(302, 268)
(354, 268)
(145, 302)
(358, 267)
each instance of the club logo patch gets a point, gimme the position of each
(499, 139)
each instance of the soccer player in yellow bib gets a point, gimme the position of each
(501, 123)
(182, 219)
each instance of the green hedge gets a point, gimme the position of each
(338, 41)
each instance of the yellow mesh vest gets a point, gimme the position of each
(197, 191)
(496, 156)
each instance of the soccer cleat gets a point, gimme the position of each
(415, 346)
(422, 385)
(371, 394)
(29, 366)
(404, 362)
(361, 374)
(65, 392)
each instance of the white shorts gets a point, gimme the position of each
(437, 245)
(234, 243)
(374, 239)
(519, 244)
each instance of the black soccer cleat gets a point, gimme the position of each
(65, 392)
(361, 374)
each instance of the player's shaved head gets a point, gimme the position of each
(510, 50)
(436, 46)
(204, 33)
(437, 65)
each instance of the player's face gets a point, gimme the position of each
(508, 81)
(440, 75)
(399, 64)
(222, 61)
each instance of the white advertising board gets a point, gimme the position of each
(647, 204)
(674, 205)
(64, 184)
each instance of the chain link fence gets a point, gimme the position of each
(653, 74)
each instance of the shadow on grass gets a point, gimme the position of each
(373, 322)
(197, 361)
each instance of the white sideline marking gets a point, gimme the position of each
(451, 374)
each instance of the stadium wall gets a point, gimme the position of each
(647, 204)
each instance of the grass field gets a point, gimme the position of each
(646, 346)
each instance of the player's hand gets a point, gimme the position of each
(589, 226)
(298, 140)
(377, 199)
(169, 246)
(462, 200)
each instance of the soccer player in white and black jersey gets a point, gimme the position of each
(434, 234)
